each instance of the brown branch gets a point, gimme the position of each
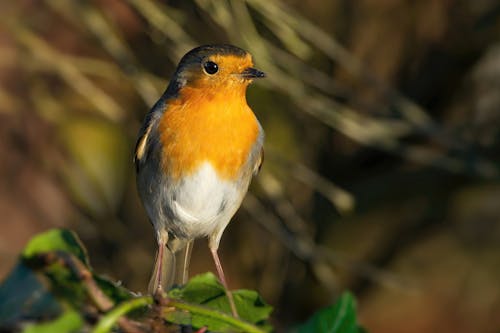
(101, 301)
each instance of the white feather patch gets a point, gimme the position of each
(203, 200)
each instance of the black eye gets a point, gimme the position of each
(211, 67)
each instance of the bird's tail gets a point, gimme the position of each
(182, 261)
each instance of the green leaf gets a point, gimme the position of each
(24, 297)
(56, 240)
(113, 290)
(38, 288)
(251, 306)
(68, 322)
(206, 290)
(337, 318)
(65, 285)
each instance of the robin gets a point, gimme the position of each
(197, 150)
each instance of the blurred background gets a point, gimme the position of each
(382, 152)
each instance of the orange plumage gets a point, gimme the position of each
(200, 126)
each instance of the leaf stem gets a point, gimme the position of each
(201, 310)
(112, 317)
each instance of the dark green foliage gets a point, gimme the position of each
(337, 318)
(206, 291)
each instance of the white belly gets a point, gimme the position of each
(203, 202)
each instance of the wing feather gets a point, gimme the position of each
(147, 138)
(258, 164)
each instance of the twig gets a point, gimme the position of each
(102, 302)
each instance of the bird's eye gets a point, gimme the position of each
(211, 67)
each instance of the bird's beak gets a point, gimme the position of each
(252, 73)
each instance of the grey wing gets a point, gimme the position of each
(259, 161)
(147, 139)
(150, 180)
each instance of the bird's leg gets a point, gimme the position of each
(159, 274)
(222, 279)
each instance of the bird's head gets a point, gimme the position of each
(216, 68)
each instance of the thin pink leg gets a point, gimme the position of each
(156, 283)
(222, 279)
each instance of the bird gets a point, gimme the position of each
(197, 150)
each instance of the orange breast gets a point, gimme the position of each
(203, 126)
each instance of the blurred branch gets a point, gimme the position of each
(275, 193)
(281, 14)
(290, 39)
(109, 70)
(340, 198)
(157, 15)
(383, 135)
(309, 75)
(89, 66)
(318, 257)
(278, 12)
(44, 53)
(101, 301)
(112, 42)
(95, 67)
(421, 122)
(221, 14)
